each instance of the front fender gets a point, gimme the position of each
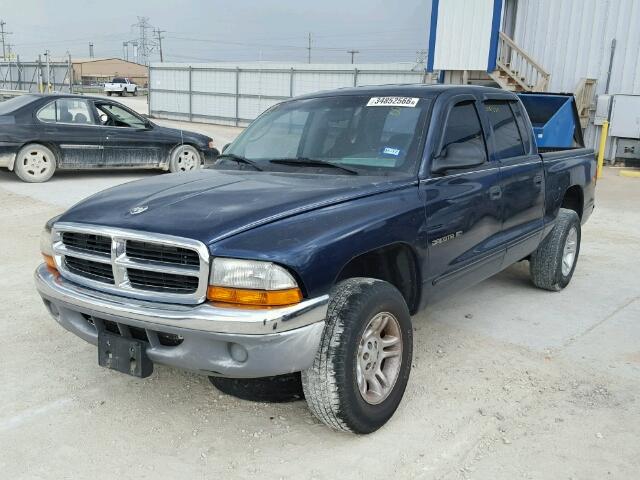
(316, 245)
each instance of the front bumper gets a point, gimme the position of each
(218, 341)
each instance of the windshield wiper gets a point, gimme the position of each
(239, 159)
(311, 162)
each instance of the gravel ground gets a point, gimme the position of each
(508, 382)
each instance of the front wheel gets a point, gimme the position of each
(135, 92)
(184, 158)
(362, 366)
(553, 263)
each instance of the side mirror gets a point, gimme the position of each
(225, 147)
(459, 155)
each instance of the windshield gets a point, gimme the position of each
(371, 135)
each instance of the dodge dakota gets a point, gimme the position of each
(314, 238)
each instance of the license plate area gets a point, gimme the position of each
(126, 355)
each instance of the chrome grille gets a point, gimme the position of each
(162, 253)
(137, 264)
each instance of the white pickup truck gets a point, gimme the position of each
(121, 86)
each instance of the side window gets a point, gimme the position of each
(463, 126)
(114, 116)
(48, 113)
(66, 110)
(506, 136)
(525, 132)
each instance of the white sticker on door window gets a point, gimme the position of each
(392, 102)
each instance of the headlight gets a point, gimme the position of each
(249, 282)
(46, 247)
(211, 144)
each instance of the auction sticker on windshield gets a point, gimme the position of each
(392, 102)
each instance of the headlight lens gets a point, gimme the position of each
(251, 282)
(211, 144)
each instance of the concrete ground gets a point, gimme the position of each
(508, 382)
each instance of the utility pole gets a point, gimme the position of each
(353, 53)
(309, 50)
(47, 55)
(159, 33)
(91, 50)
(2, 38)
(125, 51)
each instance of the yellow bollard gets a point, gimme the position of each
(603, 143)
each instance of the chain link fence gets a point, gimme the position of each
(35, 77)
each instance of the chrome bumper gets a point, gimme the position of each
(216, 340)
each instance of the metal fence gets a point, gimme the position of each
(35, 76)
(236, 94)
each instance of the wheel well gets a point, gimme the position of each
(395, 264)
(573, 200)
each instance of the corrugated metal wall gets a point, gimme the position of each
(571, 39)
(462, 41)
(235, 94)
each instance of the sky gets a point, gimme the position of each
(215, 30)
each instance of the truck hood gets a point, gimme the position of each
(210, 205)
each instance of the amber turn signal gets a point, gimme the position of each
(266, 298)
(51, 263)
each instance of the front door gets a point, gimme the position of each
(463, 211)
(69, 123)
(128, 140)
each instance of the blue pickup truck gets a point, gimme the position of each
(316, 235)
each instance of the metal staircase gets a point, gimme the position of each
(516, 71)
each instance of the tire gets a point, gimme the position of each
(184, 158)
(278, 389)
(108, 94)
(35, 163)
(135, 92)
(333, 385)
(552, 265)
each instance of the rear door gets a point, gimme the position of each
(69, 123)
(463, 207)
(128, 140)
(521, 178)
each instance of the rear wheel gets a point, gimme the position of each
(35, 163)
(362, 366)
(108, 94)
(184, 158)
(123, 93)
(553, 263)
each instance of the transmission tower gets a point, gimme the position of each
(145, 41)
(3, 35)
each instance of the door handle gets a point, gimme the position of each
(537, 180)
(495, 192)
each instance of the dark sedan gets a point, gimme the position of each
(42, 133)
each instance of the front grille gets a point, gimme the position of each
(140, 265)
(100, 272)
(162, 253)
(87, 242)
(162, 282)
